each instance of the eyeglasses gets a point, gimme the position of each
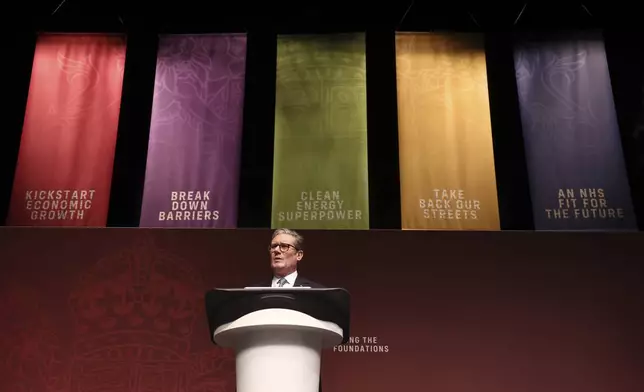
(283, 247)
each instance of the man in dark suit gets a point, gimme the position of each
(287, 250)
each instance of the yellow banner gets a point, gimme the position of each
(445, 135)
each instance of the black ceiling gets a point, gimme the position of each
(331, 15)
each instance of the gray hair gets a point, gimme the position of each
(299, 240)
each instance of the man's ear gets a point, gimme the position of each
(300, 255)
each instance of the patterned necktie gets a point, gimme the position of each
(281, 282)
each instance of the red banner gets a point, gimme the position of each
(64, 167)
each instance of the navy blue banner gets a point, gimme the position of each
(575, 161)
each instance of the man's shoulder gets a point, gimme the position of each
(302, 281)
(299, 282)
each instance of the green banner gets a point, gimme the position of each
(320, 178)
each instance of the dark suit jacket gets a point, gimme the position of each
(300, 281)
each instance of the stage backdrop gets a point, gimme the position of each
(320, 177)
(64, 168)
(192, 173)
(121, 310)
(447, 173)
(574, 154)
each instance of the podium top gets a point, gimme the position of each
(225, 305)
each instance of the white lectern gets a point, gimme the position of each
(278, 333)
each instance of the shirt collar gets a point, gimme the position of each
(290, 278)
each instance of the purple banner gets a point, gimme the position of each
(192, 173)
(575, 160)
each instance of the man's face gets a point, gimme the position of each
(284, 256)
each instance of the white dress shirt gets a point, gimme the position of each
(290, 280)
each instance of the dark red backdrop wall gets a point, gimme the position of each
(122, 309)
